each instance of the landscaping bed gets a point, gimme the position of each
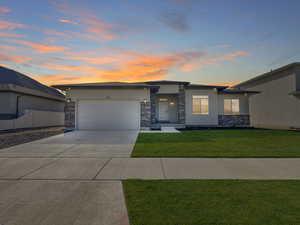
(8, 139)
(235, 143)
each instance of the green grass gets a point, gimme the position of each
(208, 202)
(219, 143)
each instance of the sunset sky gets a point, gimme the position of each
(201, 41)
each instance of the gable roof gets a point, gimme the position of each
(166, 82)
(237, 91)
(105, 85)
(201, 86)
(268, 75)
(11, 77)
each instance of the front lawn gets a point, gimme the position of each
(208, 202)
(219, 143)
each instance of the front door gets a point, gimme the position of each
(163, 111)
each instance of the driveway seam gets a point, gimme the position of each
(42, 166)
(162, 168)
(57, 155)
(101, 168)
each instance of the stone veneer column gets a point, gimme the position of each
(145, 114)
(70, 115)
(153, 107)
(181, 104)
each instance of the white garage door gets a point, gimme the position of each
(108, 115)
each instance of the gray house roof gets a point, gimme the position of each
(18, 82)
(124, 85)
(148, 84)
(237, 91)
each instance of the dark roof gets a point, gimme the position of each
(166, 82)
(237, 91)
(200, 86)
(8, 76)
(269, 74)
(105, 85)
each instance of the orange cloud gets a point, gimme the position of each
(41, 48)
(13, 58)
(7, 48)
(4, 34)
(56, 33)
(94, 60)
(61, 79)
(6, 25)
(5, 10)
(190, 67)
(95, 28)
(229, 84)
(133, 66)
(67, 21)
(225, 57)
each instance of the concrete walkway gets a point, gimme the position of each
(75, 178)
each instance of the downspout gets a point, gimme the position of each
(17, 106)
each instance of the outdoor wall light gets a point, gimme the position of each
(172, 103)
(145, 101)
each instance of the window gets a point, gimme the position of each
(231, 106)
(200, 104)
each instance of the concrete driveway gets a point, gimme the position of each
(53, 181)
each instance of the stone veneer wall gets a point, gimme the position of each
(70, 115)
(153, 107)
(181, 104)
(234, 120)
(145, 114)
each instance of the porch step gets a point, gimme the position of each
(169, 130)
(163, 130)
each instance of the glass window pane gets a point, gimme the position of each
(227, 106)
(204, 106)
(235, 106)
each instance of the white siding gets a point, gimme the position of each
(115, 94)
(168, 89)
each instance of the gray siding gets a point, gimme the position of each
(244, 103)
(274, 107)
(8, 103)
(202, 120)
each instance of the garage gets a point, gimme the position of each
(108, 115)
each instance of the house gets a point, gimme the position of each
(26, 103)
(277, 106)
(144, 105)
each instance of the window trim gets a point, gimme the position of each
(231, 108)
(206, 97)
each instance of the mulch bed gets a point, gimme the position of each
(8, 139)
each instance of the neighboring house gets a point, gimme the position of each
(26, 103)
(278, 104)
(116, 105)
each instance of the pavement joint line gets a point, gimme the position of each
(163, 168)
(57, 155)
(41, 167)
(108, 161)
